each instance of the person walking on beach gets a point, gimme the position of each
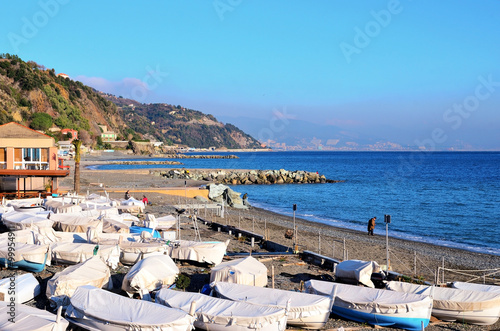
(127, 195)
(145, 200)
(371, 226)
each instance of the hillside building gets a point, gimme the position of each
(107, 135)
(28, 162)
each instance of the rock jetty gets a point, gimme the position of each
(246, 177)
(193, 156)
(145, 162)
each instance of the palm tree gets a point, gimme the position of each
(78, 144)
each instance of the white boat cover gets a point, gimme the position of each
(63, 284)
(449, 298)
(26, 252)
(30, 319)
(5, 209)
(304, 309)
(209, 252)
(111, 225)
(370, 300)
(132, 252)
(476, 287)
(75, 223)
(73, 253)
(150, 274)
(60, 207)
(246, 271)
(19, 221)
(20, 236)
(160, 223)
(358, 270)
(90, 305)
(212, 311)
(26, 288)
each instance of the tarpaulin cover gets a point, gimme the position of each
(63, 284)
(29, 319)
(371, 300)
(210, 311)
(73, 253)
(476, 287)
(360, 271)
(449, 298)
(26, 252)
(150, 274)
(132, 251)
(91, 304)
(302, 306)
(113, 226)
(18, 221)
(208, 252)
(74, 223)
(61, 207)
(247, 271)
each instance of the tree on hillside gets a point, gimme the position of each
(41, 121)
(78, 144)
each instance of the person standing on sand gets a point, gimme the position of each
(145, 200)
(371, 226)
(127, 195)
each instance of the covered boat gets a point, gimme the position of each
(75, 223)
(246, 271)
(133, 251)
(150, 274)
(28, 318)
(305, 310)
(450, 304)
(25, 286)
(25, 256)
(211, 252)
(19, 221)
(219, 314)
(63, 284)
(96, 309)
(376, 306)
(73, 253)
(356, 271)
(476, 287)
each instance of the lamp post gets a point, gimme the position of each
(294, 229)
(387, 220)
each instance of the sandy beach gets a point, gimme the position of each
(414, 259)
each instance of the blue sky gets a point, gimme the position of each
(382, 70)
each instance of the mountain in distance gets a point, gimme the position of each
(180, 125)
(295, 134)
(37, 97)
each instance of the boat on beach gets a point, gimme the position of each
(95, 309)
(63, 284)
(245, 271)
(28, 318)
(26, 256)
(476, 287)
(211, 252)
(224, 315)
(26, 288)
(451, 304)
(375, 306)
(309, 311)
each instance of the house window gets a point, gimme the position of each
(3, 158)
(31, 158)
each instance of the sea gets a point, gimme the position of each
(446, 198)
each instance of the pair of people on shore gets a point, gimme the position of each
(371, 226)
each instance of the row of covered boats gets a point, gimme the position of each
(237, 298)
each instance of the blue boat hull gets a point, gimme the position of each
(24, 265)
(407, 323)
(139, 229)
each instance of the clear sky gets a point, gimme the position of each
(411, 72)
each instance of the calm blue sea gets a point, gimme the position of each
(446, 198)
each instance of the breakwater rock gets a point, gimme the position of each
(189, 156)
(145, 162)
(246, 177)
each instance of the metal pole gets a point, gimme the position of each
(387, 245)
(344, 251)
(415, 263)
(319, 242)
(294, 228)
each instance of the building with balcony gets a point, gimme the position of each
(28, 162)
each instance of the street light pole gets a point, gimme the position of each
(294, 229)
(387, 220)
